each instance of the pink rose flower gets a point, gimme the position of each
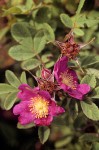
(68, 80)
(36, 106)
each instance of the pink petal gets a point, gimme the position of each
(60, 66)
(27, 92)
(43, 121)
(84, 88)
(19, 108)
(25, 118)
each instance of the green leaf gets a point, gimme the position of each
(43, 133)
(23, 77)
(66, 20)
(19, 126)
(63, 142)
(93, 71)
(81, 3)
(12, 10)
(89, 137)
(10, 100)
(89, 60)
(29, 4)
(30, 64)
(46, 57)
(90, 110)
(49, 33)
(22, 35)
(78, 32)
(12, 79)
(96, 93)
(50, 64)
(95, 146)
(6, 88)
(90, 80)
(20, 53)
(39, 42)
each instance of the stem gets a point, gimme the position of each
(79, 66)
(39, 58)
(83, 45)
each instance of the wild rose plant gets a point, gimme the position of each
(59, 85)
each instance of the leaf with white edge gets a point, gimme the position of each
(66, 20)
(89, 60)
(90, 80)
(6, 88)
(20, 53)
(49, 33)
(93, 71)
(89, 137)
(78, 32)
(22, 35)
(43, 133)
(39, 42)
(90, 110)
(19, 126)
(50, 64)
(96, 93)
(10, 100)
(23, 77)
(12, 79)
(30, 64)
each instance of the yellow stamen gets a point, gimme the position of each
(68, 80)
(39, 106)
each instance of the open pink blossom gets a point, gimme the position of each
(36, 106)
(68, 80)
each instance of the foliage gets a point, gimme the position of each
(28, 31)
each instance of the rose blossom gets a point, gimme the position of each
(36, 106)
(68, 79)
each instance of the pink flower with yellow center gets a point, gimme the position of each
(36, 106)
(68, 80)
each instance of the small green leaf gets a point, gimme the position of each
(22, 34)
(10, 100)
(39, 42)
(12, 79)
(30, 64)
(46, 57)
(23, 77)
(20, 53)
(90, 110)
(12, 10)
(81, 3)
(93, 71)
(89, 137)
(19, 126)
(78, 32)
(6, 88)
(66, 20)
(90, 80)
(43, 133)
(96, 93)
(63, 142)
(50, 64)
(49, 33)
(89, 60)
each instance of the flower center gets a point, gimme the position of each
(68, 80)
(39, 106)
